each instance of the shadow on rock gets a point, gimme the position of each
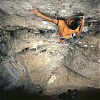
(86, 94)
(21, 94)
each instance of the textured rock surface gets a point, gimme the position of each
(31, 54)
(55, 8)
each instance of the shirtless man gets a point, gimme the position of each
(65, 27)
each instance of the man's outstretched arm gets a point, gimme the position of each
(35, 11)
(81, 27)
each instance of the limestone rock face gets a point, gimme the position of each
(31, 54)
(21, 13)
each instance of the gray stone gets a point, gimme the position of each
(34, 56)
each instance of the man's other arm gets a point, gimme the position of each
(81, 27)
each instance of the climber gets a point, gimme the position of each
(66, 27)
